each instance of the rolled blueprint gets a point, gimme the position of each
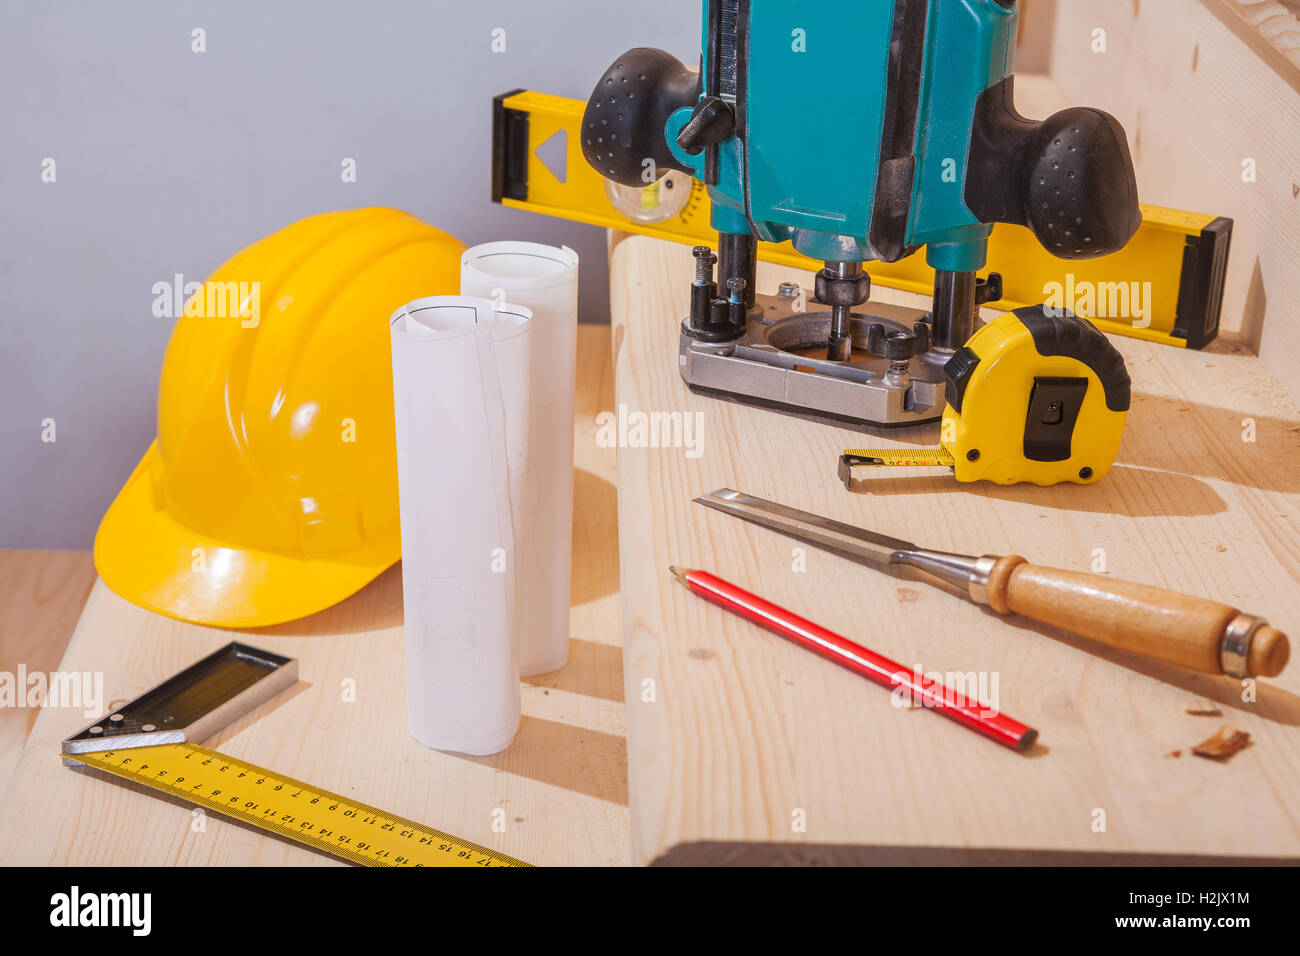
(460, 393)
(545, 279)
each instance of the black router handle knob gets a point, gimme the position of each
(623, 126)
(1081, 196)
(1068, 178)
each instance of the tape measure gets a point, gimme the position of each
(1036, 395)
(290, 808)
(150, 742)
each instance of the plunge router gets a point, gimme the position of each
(862, 132)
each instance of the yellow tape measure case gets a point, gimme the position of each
(1036, 395)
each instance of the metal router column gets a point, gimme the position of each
(841, 285)
(952, 320)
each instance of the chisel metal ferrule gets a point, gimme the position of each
(966, 573)
(1234, 651)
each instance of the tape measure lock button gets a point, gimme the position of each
(958, 372)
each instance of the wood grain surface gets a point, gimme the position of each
(563, 783)
(745, 748)
(1213, 124)
(41, 596)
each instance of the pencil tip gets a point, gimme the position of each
(677, 572)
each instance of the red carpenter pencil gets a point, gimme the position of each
(875, 667)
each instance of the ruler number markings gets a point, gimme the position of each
(216, 794)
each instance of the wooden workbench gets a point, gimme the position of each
(563, 782)
(41, 596)
(743, 747)
(734, 737)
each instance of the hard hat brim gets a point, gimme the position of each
(149, 558)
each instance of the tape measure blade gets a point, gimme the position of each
(901, 457)
(289, 808)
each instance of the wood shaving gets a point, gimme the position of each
(1225, 742)
(1204, 708)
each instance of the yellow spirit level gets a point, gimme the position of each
(1165, 285)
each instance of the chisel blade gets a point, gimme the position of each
(960, 572)
(844, 539)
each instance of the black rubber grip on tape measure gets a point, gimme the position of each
(1055, 332)
(957, 372)
(1061, 332)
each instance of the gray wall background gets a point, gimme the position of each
(169, 161)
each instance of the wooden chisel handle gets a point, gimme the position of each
(1164, 625)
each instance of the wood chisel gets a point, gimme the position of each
(1191, 632)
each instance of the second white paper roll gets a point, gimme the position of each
(545, 280)
(460, 389)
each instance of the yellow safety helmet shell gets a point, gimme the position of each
(270, 492)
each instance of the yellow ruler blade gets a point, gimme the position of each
(289, 808)
(901, 457)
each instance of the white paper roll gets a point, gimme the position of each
(545, 280)
(460, 391)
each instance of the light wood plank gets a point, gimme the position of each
(1199, 102)
(41, 597)
(746, 730)
(562, 783)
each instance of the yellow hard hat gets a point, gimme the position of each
(270, 492)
